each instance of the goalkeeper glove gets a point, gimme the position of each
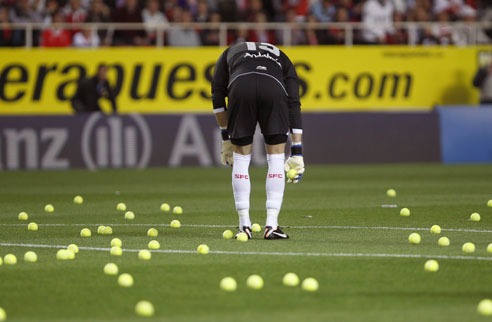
(226, 152)
(295, 162)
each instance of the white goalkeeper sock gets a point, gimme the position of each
(275, 185)
(241, 187)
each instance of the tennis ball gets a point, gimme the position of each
(405, 212)
(23, 216)
(30, 257)
(414, 238)
(73, 248)
(152, 232)
(485, 307)
(32, 226)
(291, 174)
(70, 254)
(153, 244)
(443, 241)
(49, 208)
(107, 230)
(489, 248)
(110, 269)
(255, 282)
(100, 230)
(3, 314)
(202, 249)
(227, 234)
(435, 229)
(1, 261)
(116, 251)
(63, 254)
(144, 255)
(242, 236)
(391, 193)
(129, 215)
(310, 284)
(475, 216)
(431, 265)
(468, 248)
(125, 280)
(256, 228)
(116, 242)
(78, 200)
(10, 259)
(86, 232)
(175, 223)
(165, 207)
(489, 203)
(177, 210)
(290, 279)
(228, 284)
(144, 308)
(121, 206)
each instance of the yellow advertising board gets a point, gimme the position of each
(172, 80)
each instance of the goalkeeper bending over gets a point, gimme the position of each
(262, 87)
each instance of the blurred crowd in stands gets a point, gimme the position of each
(380, 21)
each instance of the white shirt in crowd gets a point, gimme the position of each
(377, 18)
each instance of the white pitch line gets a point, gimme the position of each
(290, 227)
(219, 252)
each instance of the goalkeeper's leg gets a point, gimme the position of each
(241, 186)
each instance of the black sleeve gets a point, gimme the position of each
(111, 96)
(480, 77)
(220, 82)
(292, 84)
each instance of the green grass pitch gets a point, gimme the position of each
(340, 234)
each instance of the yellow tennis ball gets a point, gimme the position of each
(154, 244)
(121, 206)
(129, 215)
(116, 251)
(242, 237)
(144, 308)
(202, 249)
(73, 248)
(116, 242)
(10, 259)
(175, 223)
(414, 238)
(227, 234)
(256, 228)
(86, 232)
(489, 203)
(485, 307)
(405, 212)
(49, 208)
(125, 280)
(228, 284)
(391, 193)
(78, 200)
(468, 248)
(435, 229)
(475, 216)
(177, 210)
(310, 284)
(290, 279)
(489, 248)
(431, 265)
(144, 255)
(23, 216)
(3, 314)
(443, 241)
(63, 254)
(152, 232)
(291, 174)
(255, 282)
(30, 257)
(32, 226)
(110, 269)
(107, 230)
(165, 207)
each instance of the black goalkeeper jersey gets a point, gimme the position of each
(264, 59)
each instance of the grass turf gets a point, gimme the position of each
(335, 219)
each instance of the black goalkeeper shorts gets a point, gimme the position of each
(257, 99)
